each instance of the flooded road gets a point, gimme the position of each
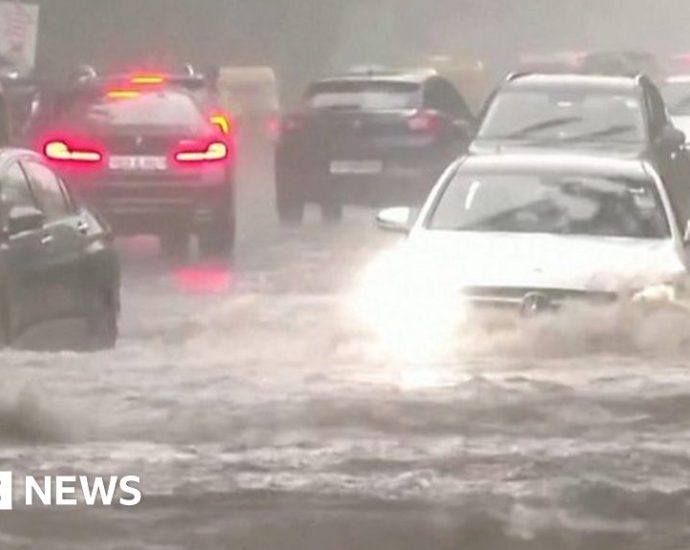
(260, 413)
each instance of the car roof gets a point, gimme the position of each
(566, 162)
(595, 82)
(411, 77)
(8, 153)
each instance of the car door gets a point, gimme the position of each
(22, 255)
(65, 240)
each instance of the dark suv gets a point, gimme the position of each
(147, 153)
(372, 139)
(615, 116)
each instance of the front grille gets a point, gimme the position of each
(515, 295)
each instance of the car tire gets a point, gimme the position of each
(290, 213)
(217, 240)
(102, 322)
(289, 201)
(174, 244)
(5, 324)
(331, 211)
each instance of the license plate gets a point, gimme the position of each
(356, 167)
(138, 163)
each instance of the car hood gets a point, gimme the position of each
(540, 261)
(616, 150)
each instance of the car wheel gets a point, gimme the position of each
(289, 202)
(102, 322)
(331, 211)
(5, 324)
(290, 213)
(174, 244)
(217, 240)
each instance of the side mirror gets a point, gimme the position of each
(396, 220)
(672, 137)
(24, 218)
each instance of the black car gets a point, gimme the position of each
(147, 153)
(57, 261)
(374, 138)
(616, 116)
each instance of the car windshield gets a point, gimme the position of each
(552, 203)
(567, 116)
(364, 95)
(162, 109)
(677, 97)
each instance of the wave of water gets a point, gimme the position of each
(273, 416)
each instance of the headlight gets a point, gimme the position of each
(409, 307)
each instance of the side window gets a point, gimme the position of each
(49, 194)
(15, 188)
(441, 96)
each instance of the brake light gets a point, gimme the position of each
(273, 128)
(426, 122)
(147, 79)
(215, 151)
(222, 122)
(122, 94)
(59, 150)
(292, 123)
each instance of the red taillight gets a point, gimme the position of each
(292, 123)
(214, 151)
(61, 151)
(425, 122)
(273, 128)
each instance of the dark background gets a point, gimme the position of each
(305, 38)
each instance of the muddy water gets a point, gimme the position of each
(261, 413)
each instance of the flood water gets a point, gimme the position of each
(261, 413)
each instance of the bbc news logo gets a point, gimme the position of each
(72, 490)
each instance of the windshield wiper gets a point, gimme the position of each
(605, 132)
(544, 125)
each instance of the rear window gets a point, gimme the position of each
(368, 96)
(171, 109)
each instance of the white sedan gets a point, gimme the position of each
(536, 232)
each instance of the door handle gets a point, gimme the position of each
(83, 227)
(47, 239)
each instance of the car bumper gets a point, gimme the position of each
(372, 176)
(135, 207)
(394, 183)
(533, 301)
